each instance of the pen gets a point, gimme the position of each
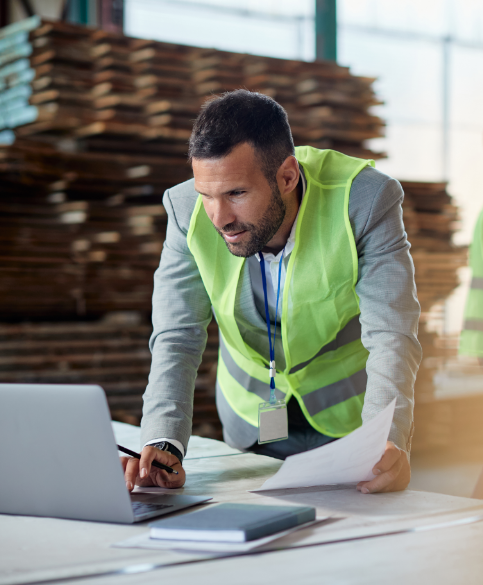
(153, 463)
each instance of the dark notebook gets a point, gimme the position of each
(232, 522)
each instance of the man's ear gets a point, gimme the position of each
(288, 175)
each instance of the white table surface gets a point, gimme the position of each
(44, 549)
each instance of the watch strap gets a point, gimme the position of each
(167, 446)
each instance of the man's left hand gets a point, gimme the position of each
(393, 472)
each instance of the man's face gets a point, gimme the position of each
(239, 201)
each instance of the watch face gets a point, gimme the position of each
(165, 446)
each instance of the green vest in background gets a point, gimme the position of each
(324, 359)
(471, 342)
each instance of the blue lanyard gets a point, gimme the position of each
(267, 317)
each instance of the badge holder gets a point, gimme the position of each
(272, 422)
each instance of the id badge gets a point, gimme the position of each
(272, 422)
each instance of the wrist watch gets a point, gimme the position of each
(165, 446)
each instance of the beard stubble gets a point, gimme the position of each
(260, 233)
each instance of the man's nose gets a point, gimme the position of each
(221, 214)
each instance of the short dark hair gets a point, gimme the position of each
(243, 116)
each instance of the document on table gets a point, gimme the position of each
(347, 460)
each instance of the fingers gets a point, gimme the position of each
(131, 471)
(171, 481)
(148, 454)
(143, 473)
(384, 481)
(391, 455)
(393, 472)
(163, 478)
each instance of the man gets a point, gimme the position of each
(471, 342)
(325, 233)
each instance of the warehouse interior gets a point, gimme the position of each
(98, 99)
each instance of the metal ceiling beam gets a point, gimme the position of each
(76, 11)
(326, 30)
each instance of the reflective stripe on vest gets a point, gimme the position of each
(335, 393)
(315, 401)
(243, 378)
(474, 324)
(351, 332)
(476, 283)
(320, 329)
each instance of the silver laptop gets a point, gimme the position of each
(58, 458)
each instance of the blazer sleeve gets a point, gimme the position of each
(388, 301)
(181, 314)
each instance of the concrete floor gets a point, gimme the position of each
(456, 470)
(455, 479)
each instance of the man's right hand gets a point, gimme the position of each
(141, 472)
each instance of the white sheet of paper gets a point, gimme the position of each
(348, 460)
(143, 541)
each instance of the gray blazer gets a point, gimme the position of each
(388, 302)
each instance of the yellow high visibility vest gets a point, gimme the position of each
(324, 356)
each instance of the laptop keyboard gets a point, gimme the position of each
(139, 508)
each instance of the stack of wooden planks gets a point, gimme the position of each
(102, 123)
(117, 101)
(16, 76)
(431, 219)
(62, 78)
(112, 352)
(142, 96)
(81, 233)
(328, 107)
(94, 127)
(164, 71)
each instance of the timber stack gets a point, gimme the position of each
(93, 129)
(431, 219)
(112, 352)
(63, 80)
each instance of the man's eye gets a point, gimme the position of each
(235, 193)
